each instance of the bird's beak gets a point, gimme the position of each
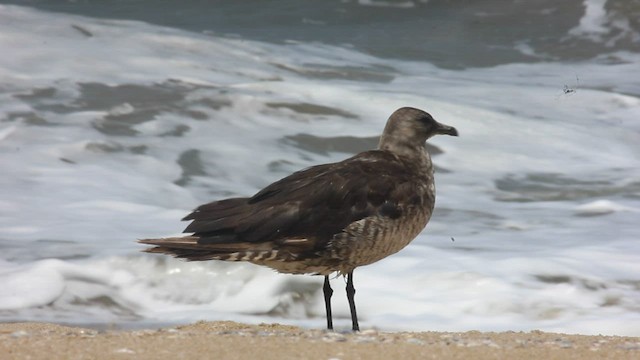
(446, 130)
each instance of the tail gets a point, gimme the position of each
(187, 247)
(214, 236)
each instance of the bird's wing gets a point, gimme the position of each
(308, 207)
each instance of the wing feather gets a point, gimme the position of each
(309, 206)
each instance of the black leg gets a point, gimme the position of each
(328, 291)
(351, 291)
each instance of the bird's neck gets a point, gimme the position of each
(401, 147)
(416, 157)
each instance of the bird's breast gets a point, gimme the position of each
(373, 238)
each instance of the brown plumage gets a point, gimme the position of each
(326, 218)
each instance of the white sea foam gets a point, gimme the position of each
(593, 22)
(112, 137)
(601, 207)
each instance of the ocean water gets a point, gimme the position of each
(117, 118)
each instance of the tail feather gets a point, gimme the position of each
(191, 243)
(189, 254)
(188, 248)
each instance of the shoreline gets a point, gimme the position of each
(226, 339)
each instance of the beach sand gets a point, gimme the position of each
(229, 340)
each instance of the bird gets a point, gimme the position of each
(326, 219)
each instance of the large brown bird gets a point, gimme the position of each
(326, 218)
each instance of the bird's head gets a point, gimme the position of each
(408, 128)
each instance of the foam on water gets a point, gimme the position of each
(113, 130)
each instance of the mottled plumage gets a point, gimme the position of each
(327, 218)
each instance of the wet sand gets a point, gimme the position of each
(229, 340)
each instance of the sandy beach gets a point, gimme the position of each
(229, 340)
